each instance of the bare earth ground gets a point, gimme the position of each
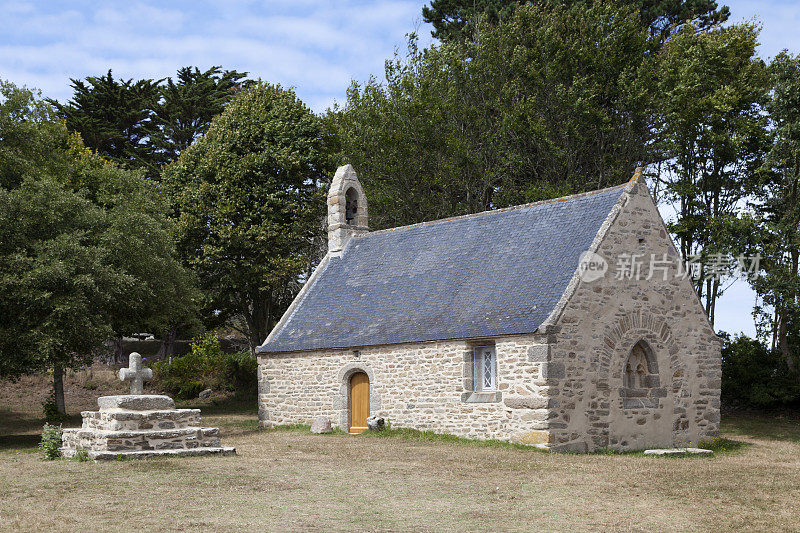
(292, 480)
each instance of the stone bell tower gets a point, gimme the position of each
(347, 209)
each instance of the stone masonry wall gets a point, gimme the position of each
(599, 326)
(426, 386)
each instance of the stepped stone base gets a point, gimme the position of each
(141, 426)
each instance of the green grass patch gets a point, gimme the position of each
(414, 435)
(430, 436)
(304, 428)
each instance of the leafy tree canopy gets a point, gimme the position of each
(86, 248)
(712, 130)
(143, 124)
(249, 206)
(556, 100)
(777, 222)
(455, 19)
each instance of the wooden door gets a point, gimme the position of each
(359, 402)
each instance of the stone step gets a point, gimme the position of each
(140, 420)
(140, 440)
(679, 451)
(144, 454)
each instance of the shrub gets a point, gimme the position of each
(50, 445)
(755, 376)
(81, 456)
(206, 366)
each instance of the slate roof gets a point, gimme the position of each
(493, 273)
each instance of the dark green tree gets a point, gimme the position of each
(115, 118)
(144, 124)
(249, 206)
(556, 100)
(665, 17)
(451, 19)
(712, 131)
(777, 225)
(187, 105)
(86, 249)
(456, 19)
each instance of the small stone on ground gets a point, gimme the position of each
(321, 424)
(375, 423)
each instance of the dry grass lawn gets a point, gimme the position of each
(292, 480)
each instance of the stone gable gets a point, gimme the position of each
(600, 325)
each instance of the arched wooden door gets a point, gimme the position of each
(359, 402)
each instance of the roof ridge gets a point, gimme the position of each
(500, 210)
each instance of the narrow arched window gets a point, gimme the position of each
(351, 205)
(640, 370)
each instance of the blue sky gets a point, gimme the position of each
(317, 47)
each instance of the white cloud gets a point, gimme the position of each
(316, 47)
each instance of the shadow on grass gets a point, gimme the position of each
(236, 415)
(720, 446)
(23, 430)
(27, 442)
(232, 405)
(771, 426)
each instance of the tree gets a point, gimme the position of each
(86, 249)
(777, 226)
(56, 288)
(24, 117)
(145, 124)
(249, 206)
(455, 19)
(665, 17)
(551, 102)
(114, 117)
(187, 105)
(711, 87)
(451, 18)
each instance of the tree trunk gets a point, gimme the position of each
(58, 389)
(257, 319)
(118, 351)
(167, 348)
(712, 296)
(783, 343)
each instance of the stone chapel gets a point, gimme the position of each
(569, 324)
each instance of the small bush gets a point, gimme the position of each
(50, 445)
(81, 456)
(206, 366)
(755, 376)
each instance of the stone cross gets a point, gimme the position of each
(135, 373)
